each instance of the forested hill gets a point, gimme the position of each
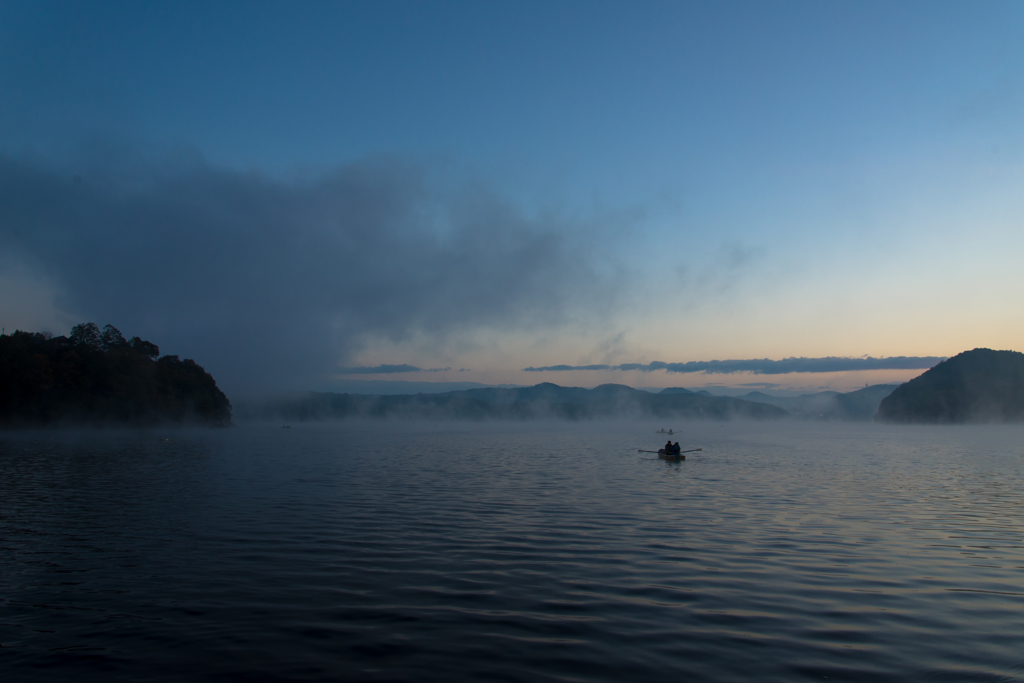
(97, 377)
(975, 386)
(543, 401)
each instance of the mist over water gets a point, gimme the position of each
(498, 551)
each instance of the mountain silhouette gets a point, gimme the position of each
(981, 385)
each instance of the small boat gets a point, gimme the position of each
(670, 456)
(662, 431)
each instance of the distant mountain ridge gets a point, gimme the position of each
(980, 385)
(554, 401)
(537, 402)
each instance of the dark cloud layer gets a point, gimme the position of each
(767, 367)
(270, 283)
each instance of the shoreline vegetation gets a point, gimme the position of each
(96, 377)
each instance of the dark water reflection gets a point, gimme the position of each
(499, 552)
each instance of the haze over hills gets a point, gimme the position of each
(537, 402)
(546, 400)
(859, 405)
(99, 377)
(981, 385)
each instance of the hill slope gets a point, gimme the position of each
(975, 386)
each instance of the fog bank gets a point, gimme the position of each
(269, 283)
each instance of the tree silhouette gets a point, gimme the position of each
(111, 338)
(146, 348)
(85, 334)
(99, 378)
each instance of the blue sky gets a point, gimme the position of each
(674, 182)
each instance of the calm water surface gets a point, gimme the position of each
(502, 552)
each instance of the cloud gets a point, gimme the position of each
(558, 368)
(385, 370)
(767, 367)
(273, 283)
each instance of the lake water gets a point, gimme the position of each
(511, 552)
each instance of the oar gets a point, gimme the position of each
(692, 450)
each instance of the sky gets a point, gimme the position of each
(297, 195)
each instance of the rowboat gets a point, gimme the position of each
(670, 456)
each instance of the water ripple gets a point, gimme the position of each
(500, 552)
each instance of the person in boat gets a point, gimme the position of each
(668, 447)
(675, 448)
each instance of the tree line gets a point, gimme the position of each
(96, 376)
